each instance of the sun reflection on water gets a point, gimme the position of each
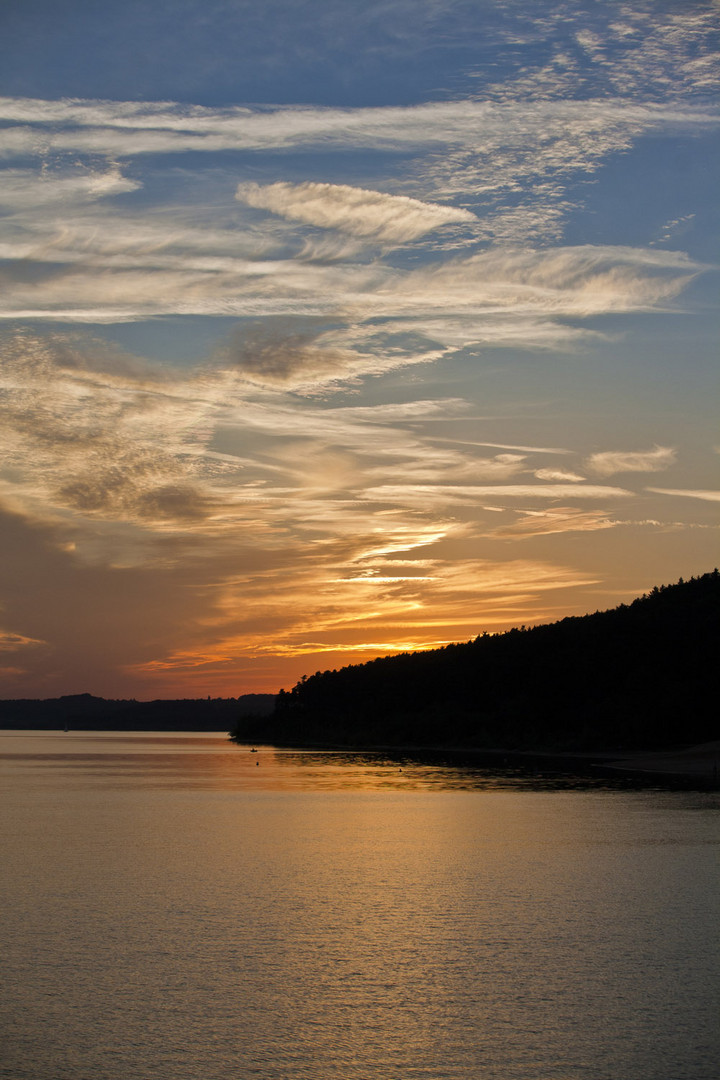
(204, 760)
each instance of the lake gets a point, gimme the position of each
(177, 907)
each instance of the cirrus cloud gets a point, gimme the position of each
(558, 475)
(609, 462)
(373, 215)
(704, 494)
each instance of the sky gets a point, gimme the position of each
(332, 330)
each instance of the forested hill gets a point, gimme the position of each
(641, 675)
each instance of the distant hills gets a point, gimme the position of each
(642, 675)
(83, 712)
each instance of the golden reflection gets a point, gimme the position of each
(186, 760)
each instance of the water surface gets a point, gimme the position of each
(178, 907)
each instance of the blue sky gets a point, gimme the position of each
(333, 330)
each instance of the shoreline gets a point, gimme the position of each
(691, 767)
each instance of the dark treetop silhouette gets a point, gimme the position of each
(638, 676)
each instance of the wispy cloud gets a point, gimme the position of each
(511, 446)
(559, 475)
(554, 521)
(438, 495)
(395, 613)
(483, 150)
(100, 451)
(610, 462)
(137, 259)
(705, 495)
(372, 215)
(11, 642)
(132, 466)
(24, 189)
(384, 317)
(127, 128)
(631, 51)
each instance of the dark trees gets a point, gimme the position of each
(638, 675)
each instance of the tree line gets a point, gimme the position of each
(639, 675)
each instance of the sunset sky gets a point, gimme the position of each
(334, 329)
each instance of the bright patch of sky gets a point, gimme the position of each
(335, 329)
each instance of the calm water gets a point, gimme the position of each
(177, 907)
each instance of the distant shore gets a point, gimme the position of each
(85, 712)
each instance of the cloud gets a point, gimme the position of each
(130, 463)
(379, 317)
(122, 128)
(609, 462)
(373, 215)
(139, 259)
(11, 642)
(488, 151)
(275, 501)
(636, 50)
(278, 354)
(582, 280)
(559, 475)
(289, 353)
(78, 438)
(462, 494)
(511, 446)
(349, 612)
(705, 495)
(673, 55)
(556, 520)
(24, 189)
(501, 467)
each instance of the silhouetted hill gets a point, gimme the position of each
(86, 713)
(637, 676)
